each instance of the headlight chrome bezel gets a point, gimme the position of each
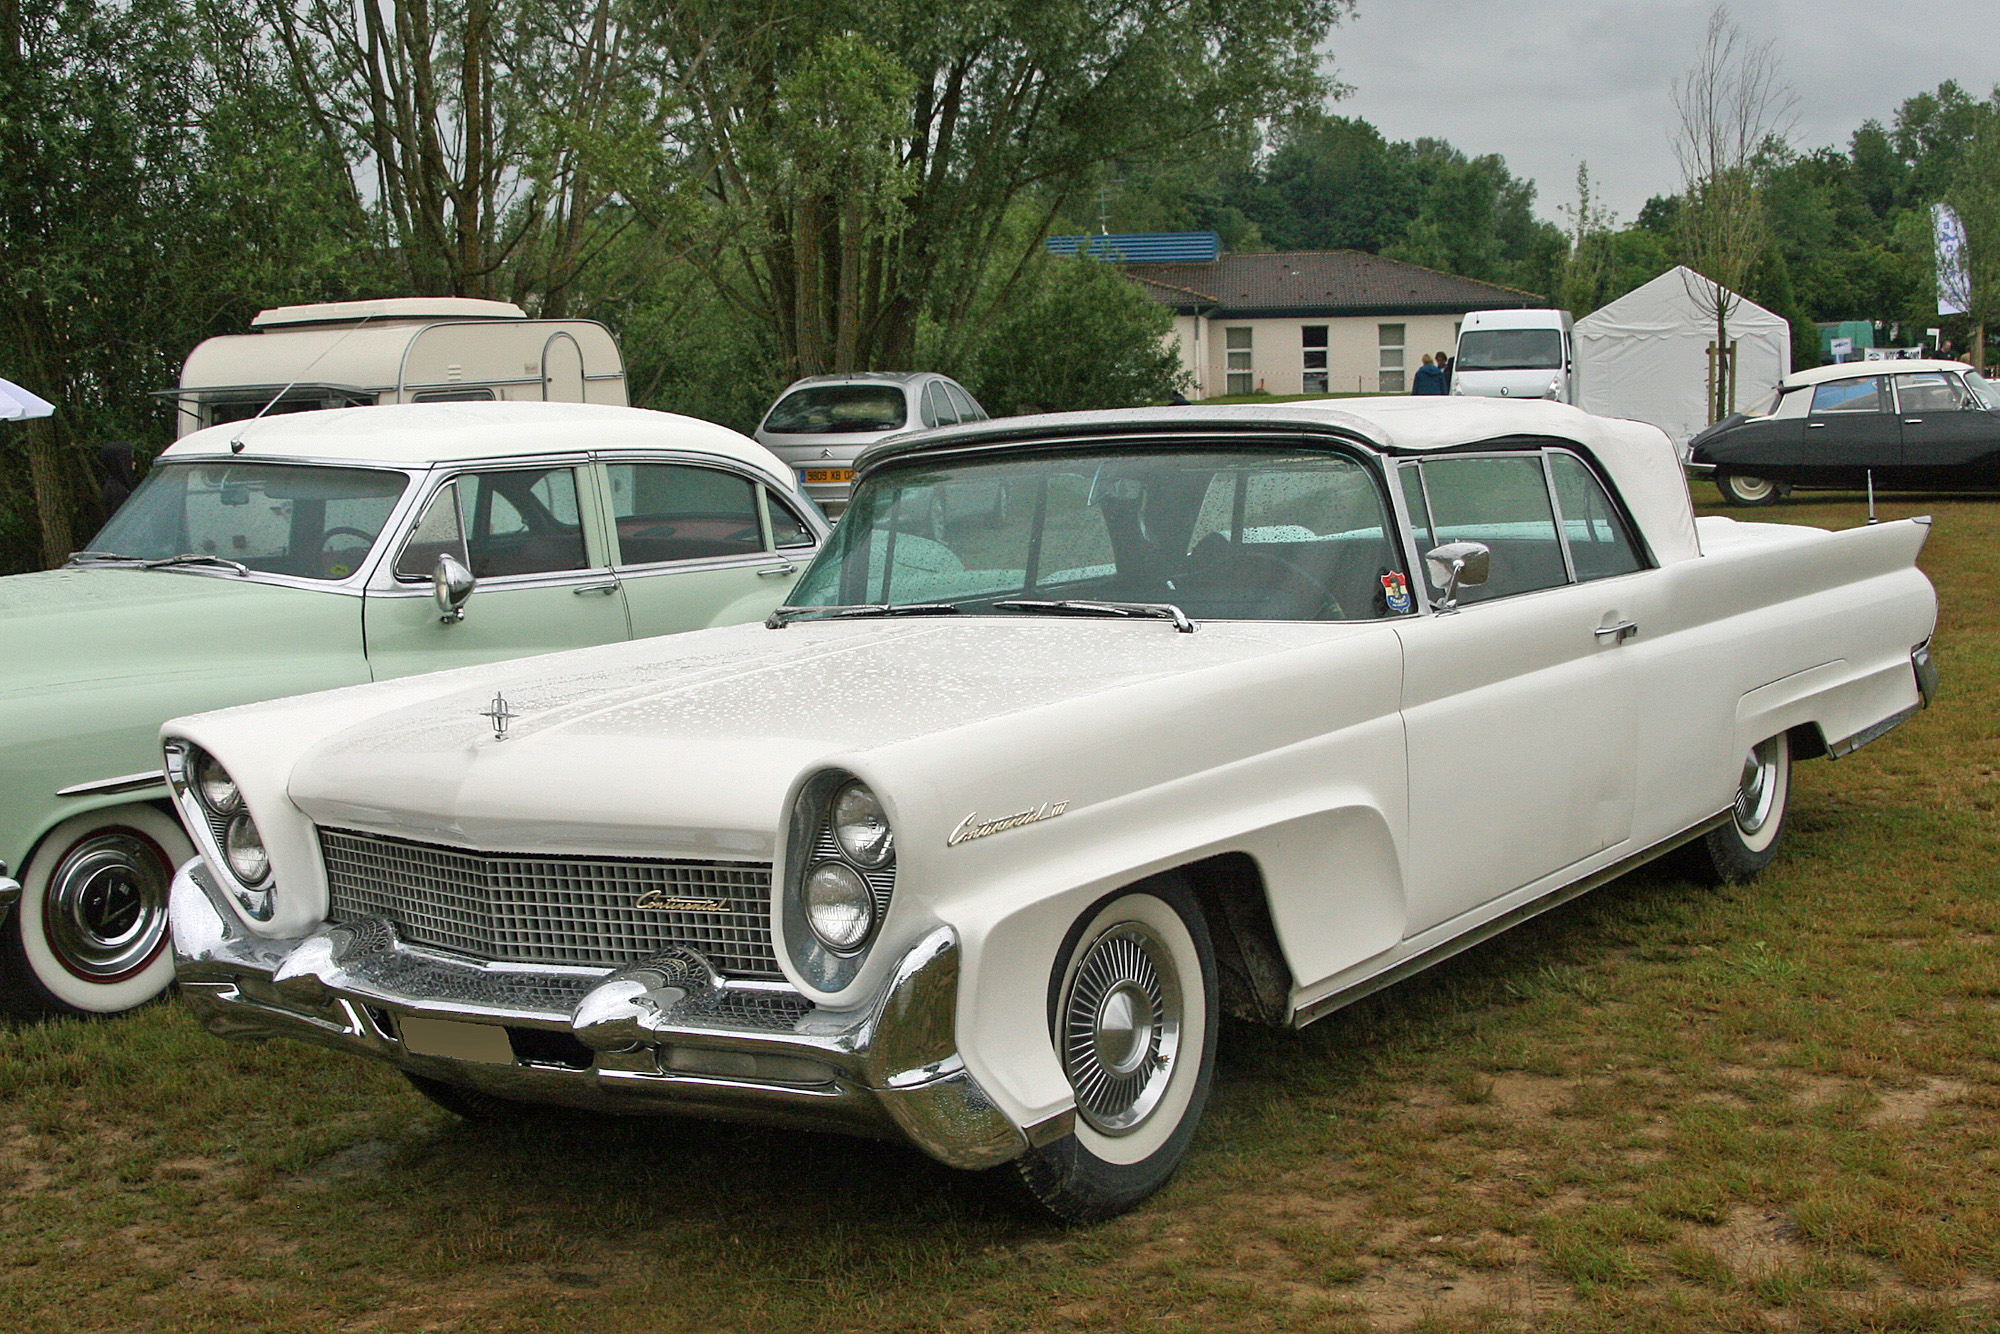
(211, 816)
(830, 959)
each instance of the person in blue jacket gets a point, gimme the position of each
(1429, 379)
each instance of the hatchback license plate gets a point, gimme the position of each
(822, 475)
(485, 1043)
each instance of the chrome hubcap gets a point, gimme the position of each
(1758, 788)
(1751, 488)
(1121, 1028)
(105, 911)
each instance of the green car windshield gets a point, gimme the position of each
(274, 518)
(1251, 534)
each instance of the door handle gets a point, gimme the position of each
(773, 571)
(1624, 630)
(1815, 426)
(1913, 421)
(609, 586)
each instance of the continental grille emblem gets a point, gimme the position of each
(660, 901)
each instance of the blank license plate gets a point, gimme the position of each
(829, 474)
(486, 1043)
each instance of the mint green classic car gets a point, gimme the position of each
(302, 552)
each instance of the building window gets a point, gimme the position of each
(1389, 374)
(1236, 347)
(1313, 337)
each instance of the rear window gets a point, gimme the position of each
(831, 409)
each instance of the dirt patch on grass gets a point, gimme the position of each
(1902, 1107)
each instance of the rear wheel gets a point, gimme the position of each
(90, 934)
(1745, 843)
(1743, 489)
(1133, 1014)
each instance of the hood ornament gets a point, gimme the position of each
(501, 716)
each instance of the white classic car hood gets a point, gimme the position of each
(696, 738)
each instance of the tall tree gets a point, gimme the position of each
(1975, 196)
(863, 156)
(1731, 109)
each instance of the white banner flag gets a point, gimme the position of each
(1954, 284)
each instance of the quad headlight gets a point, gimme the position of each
(860, 827)
(840, 877)
(840, 908)
(243, 849)
(217, 789)
(213, 805)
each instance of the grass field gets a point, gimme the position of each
(1774, 1106)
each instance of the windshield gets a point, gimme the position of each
(1509, 350)
(308, 522)
(1251, 534)
(830, 409)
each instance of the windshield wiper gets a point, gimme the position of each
(197, 558)
(102, 558)
(784, 616)
(1165, 611)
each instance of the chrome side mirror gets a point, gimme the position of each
(453, 584)
(1457, 565)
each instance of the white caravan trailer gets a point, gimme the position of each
(401, 350)
(1516, 354)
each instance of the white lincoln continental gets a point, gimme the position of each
(1081, 731)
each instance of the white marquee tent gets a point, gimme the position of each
(1645, 356)
(17, 404)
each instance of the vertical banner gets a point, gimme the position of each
(1954, 284)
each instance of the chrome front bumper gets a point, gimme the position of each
(665, 1035)
(10, 895)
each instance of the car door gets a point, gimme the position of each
(1850, 428)
(530, 534)
(700, 545)
(1949, 438)
(1520, 707)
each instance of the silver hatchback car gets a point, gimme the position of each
(820, 424)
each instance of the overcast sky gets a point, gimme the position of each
(1549, 83)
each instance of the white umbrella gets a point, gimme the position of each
(17, 403)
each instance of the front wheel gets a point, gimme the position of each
(90, 933)
(1742, 489)
(1133, 1015)
(1745, 843)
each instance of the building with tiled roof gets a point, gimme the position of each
(1301, 322)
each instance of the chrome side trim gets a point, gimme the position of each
(1513, 917)
(1873, 732)
(105, 786)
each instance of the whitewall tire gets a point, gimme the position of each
(1745, 843)
(1133, 1014)
(89, 936)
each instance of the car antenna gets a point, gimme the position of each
(236, 441)
(1871, 497)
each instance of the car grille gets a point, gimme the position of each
(524, 908)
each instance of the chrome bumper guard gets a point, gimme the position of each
(663, 1035)
(10, 895)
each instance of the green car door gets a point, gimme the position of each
(701, 545)
(532, 537)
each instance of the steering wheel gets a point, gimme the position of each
(1294, 585)
(367, 539)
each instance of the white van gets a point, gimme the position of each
(1517, 354)
(400, 350)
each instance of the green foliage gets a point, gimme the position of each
(1079, 337)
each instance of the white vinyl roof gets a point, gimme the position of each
(418, 434)
(1639, 459)
(1855, 370)
(390, 308)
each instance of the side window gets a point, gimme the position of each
(1600, 546)
(787, 528)
(937, 405)
(1850, 396)
(438, 533)
(454, 396)
(1502, 501)
(962, 404)
(671, 511)
(1420, 512)
(1930, 391)
(521, 521)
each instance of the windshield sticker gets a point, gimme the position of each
(1396, 593)
(972, 826)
